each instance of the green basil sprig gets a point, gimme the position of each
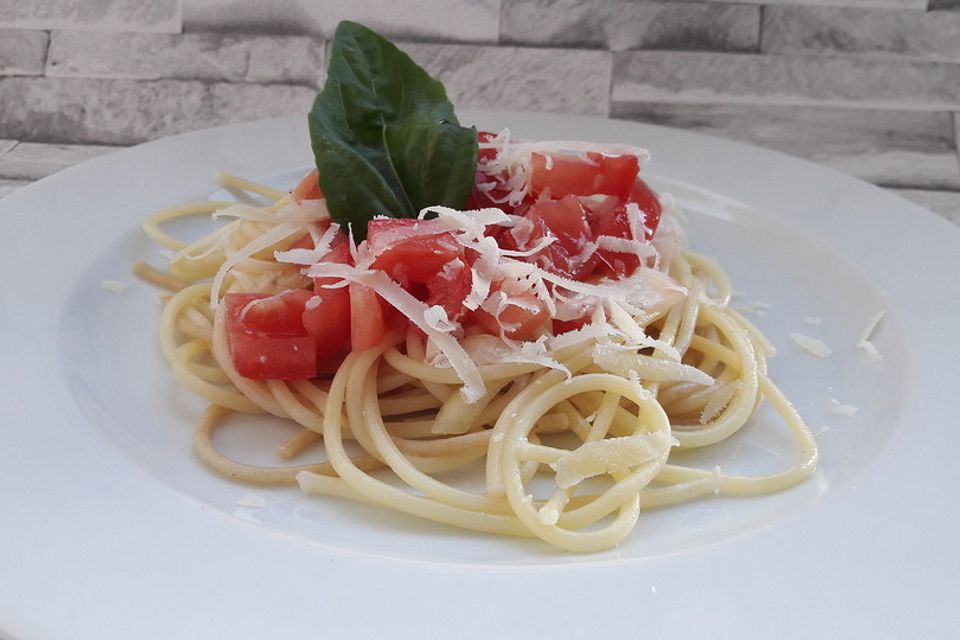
(384, 135)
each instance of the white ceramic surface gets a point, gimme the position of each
(111, 529)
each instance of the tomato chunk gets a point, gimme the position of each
(565, 220)
(570, 175)
(277, 315)
(273, 357)
(449, 287)
(649, 204)
(406, 253)
(609, 218)
(308, 188)
(366, 324)
(326, 316)
(491, 190)
(522, 320)
(266, 336)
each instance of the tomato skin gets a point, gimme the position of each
(573, 176)
(308, 188)
(564, 326)
(327, 318)
(366, 325)
(267, 340)
(649, 204)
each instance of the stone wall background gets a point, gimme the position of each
(870, 87)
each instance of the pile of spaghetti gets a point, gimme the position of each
(555, 340)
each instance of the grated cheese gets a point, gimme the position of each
(863, 342)
(251, 500)
(847, 410)
(813, 346)
(115, 286)
(610, 456)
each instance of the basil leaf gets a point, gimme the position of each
(384, 135)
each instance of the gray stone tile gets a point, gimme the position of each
(945, 204)
(893, 148)
(292, 59)
(531, 79)
(944, 5)
(22, 52)
(85, 110)
(6, 145)
(147, 56)
(875, 4)
(192, 56)
(913, 34)
(619, 24)
(163, 16)
(35, 160)
(9, 186)
(433, 20)
(654, 76)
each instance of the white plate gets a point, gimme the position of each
(111, 529)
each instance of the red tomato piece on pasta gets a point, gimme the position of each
(366, 326)
(407, 251)
(565, 220)
(308, 188)
(326, 316)
(267, 338)
(563, 175)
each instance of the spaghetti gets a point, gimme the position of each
(571, 432)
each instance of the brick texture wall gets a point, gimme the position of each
(870, 87)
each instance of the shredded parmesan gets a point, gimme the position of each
(813, 346)
(719, 401)
(115, 286)
(863, 342)
(610, 455)
(251, 500)
(847, 410)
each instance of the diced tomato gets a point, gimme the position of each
(266, 336)
(306, 240)
(608, 217)
(366, 324)
(491, 191)
(327, 315)
(339, 254)
(649, 204)
(450, 287)
(406, 254)
(570, 175)
(273, 357)
(393, 318)
(422, 260)
(565, 220)
(563, 326)
(308, 188)
(277, 315)
(526, 319)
